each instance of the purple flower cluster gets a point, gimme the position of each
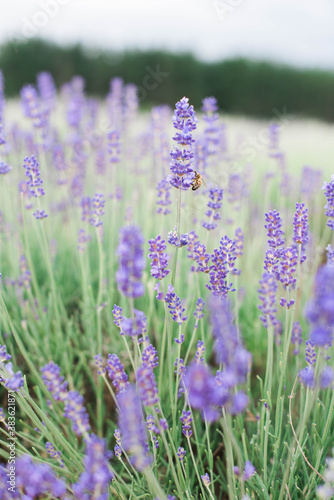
(54, 382)
(198, 313)
(76, 412)
(33, 173)
(222, 264)
(320, 310)
(182, 155)
(131, 262)
(147, 385)
(275, 240)
(214, 204)
(12, 380)
(117, 373)
(97, 210)
(32, 106)
(94, 481)
(300, 224)
(150, 357)
(267, 296)
(159, 258)
(74, 408)
(163, 189)
(132, 428)
(211, 131)
(175, 306)
(296, 336)
(114, 148)
(203, 392)
(230, 354)
(134, 326)
(328, 188)
(32, 480)
(186, 420)
(176, 241)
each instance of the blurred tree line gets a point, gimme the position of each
(241, 86)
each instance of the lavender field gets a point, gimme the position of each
(166, 300)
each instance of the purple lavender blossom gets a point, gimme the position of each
(267, 296)
(132, 427)
(287, 266)
(239, 403)
(181, 453)
(115, 102)
(86, 208)
(310, 354)
(97, 210)
(320, 310)
(330, 254)
(300, 224)
(4, 357)
(182, 155)
(198, 313)
(159, 258)
(99, 363)
(150, 357)
(83, 239)
(118, 316)
(231, 354)
(202, 391)
(175, 306)
(36, 480)
(32, 106)
(54, 382)
(200, 349)
(94, 481)
(50, 449)
(206, 480)
(131, 262)
(13, 380)
(134, 326)
(118, 446)
(147, 385)
(201, 257)
(40, 214)
(176, 241)
(163, 189)
(211, 131)
(249, 470)
(4, 168)
(214, 204)
(47, 90)
(222, 264)
(328, 187)
(239, 242)
(310, 181)
(32, 172)
(76, 412)
(117, 373)
(114, 148)
(275, 240)
(296, 337)
(186, 420)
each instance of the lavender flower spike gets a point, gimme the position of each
(183, 154)
(131, 262)
(329, 193)
(94, 481)
(132, 428)
(159, 258)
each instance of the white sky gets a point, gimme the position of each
(297, 32)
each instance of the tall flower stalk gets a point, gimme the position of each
(182, 156)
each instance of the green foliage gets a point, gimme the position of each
(241, 86)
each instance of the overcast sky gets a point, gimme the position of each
(297, 32)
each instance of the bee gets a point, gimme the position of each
(197, 181)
